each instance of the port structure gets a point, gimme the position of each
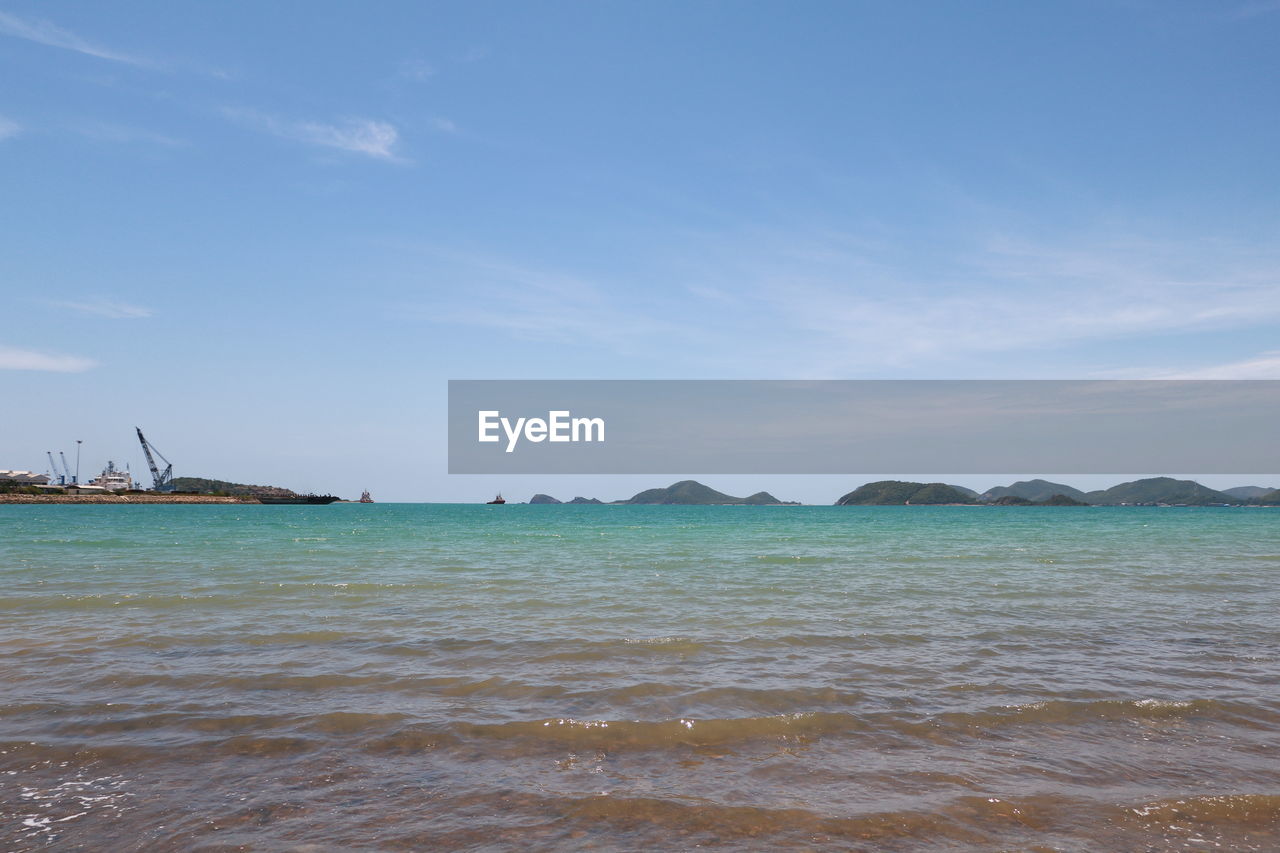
(57, 475)
(163, 480)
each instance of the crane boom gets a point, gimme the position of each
(66, 469)
(163, 480)
(53, 466)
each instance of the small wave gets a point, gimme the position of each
(612, 735)
(1257, 810)
(1102, 710)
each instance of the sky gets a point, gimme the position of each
(270, 233)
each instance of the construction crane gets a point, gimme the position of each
(163, 479)
(66, 469)
(53, 466)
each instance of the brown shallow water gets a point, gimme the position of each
(602, 678)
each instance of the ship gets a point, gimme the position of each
(499, 499)
(113, 479)
(298, 499)
(365, 497)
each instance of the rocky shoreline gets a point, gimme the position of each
(125, 499)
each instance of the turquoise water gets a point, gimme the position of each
(408, 677)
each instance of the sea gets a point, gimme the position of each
(639, 678)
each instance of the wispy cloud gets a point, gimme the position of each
(9, 128)
(444, 125)
(839, 306)
(1253, 10)
(47, 33)
(107, 308)
(12, 358)
(866, 309)
(1265, 365)
(533, 304)
(416, 70)
(376, 139)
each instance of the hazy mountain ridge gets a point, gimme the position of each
(1160, 490)
(1035, 492)
(899, 492)
(1032, 490)
(1052, 500)
(691, 492)
(1247, 492)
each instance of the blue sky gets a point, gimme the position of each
(269, 233)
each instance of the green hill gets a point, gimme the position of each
(897, 492)
(543, 499)
(1054, 500)
(1012, 500)
(1244, 493)
(1159, 490)
(762, 499)
(1063, 500)
(1032, 490)
(691, 493)
(581, 500)
(1269, 499)
(204, 486)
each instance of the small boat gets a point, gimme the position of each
(498, 500)
(365, 497)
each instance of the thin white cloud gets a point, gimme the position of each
(834, 306)
(47, 33)
(359, 136)
(533, 304)
(1253, 10)
(9, 128)
(1265, 365)
(13, 358)
(367, 137)
(416, 70)
(444, 125)
(868, 309)
(107, 308)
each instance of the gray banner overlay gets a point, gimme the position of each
(864, 426)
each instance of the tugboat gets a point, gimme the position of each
(498, 500)
(365, 498)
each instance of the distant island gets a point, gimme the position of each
(1151, 491)
(693, 493)
(547, 499)
(1158, 490)
(683, 493)
(1053, 500)
(1032, 490)
(1247, 492)
(898, 492)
